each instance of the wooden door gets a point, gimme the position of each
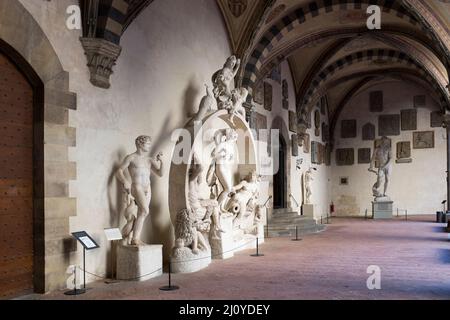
(16, 181)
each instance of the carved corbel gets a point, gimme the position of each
(101, 56)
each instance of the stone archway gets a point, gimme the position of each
(23, 41)
(282, 177)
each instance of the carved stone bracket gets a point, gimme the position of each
(102, 56)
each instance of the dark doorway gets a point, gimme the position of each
(279, 179)
(21, 176)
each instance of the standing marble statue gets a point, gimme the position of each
(307, 179)
(383, 156)
(139, 166)
(221, 168)
(205, 210)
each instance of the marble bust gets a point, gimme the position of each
(138, 166)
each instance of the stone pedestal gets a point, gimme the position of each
(222, 247)
(308, 210)
(235, 240)
(382, 209)
(139, 263)
(185, 261)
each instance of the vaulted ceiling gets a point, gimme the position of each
(327, 43)
(332, 52)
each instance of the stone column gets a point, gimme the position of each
(446, 124)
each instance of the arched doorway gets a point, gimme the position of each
(279, 179)
(20, 237)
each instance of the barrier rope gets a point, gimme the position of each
(184, 261)
(217, 255)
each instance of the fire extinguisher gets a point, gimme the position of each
(331, 208)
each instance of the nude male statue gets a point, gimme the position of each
(307, 178)
(382, 155)
(139, 166)
(223, 160)
(206, 210)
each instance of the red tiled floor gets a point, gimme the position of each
(414, 258)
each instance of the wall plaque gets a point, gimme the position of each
(389, 125)
(315, 152)
(268, 96)
(404, 152)
(294, 145)
(292, 121)
(423, 140)
(436, 119)
(306, 142)
(409, 119)
(345, 157)
(285, 104)
(321, 153)
(258, 96)
(368, 132)
(364, 155)
(261, 127)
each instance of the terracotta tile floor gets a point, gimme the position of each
(414, 258)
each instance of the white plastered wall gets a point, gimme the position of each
(418, 187)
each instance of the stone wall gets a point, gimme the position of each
(54, 136)
(169, 53)
(320, 185)
(419, 186)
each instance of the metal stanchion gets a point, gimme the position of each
(75, 291)
(170, 287)
(257, 250)
(296, 235)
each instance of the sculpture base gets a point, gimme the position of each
(382, 209)
(185, 261)
(139, 263)
(236, 239)
(308, 210)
